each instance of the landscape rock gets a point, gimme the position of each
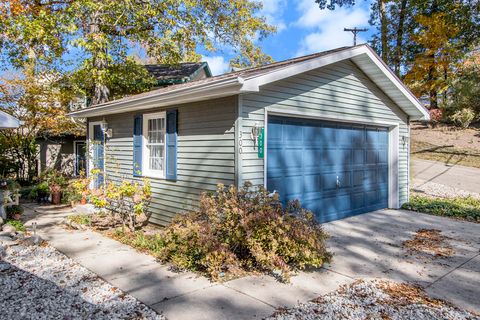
(34, 240)
(8, 228)
(42, 283)
(1, 221)
(84, 209)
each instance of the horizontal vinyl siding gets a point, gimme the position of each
(206, 146)
(340, 91)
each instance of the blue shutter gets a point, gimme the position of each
(171, 139)
(137, 145)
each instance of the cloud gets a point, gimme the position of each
(217, 64)
(327, 26)
(273, 12)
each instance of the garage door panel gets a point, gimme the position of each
(309, 156)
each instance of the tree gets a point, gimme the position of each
(105, 31)
(39, 102)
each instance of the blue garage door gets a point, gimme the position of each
(336, 170)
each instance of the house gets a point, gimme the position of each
(330, 129)
(67, 152)
(8, 122)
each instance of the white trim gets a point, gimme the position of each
(393, 148)
(314, 115)
(265, 150)
(227, 86)
(146, 172)
(89, 150)
(393, 166)
(239, 143)
(75, 142)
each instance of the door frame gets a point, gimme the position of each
(75, 143)
(393, 144)
(90, 151)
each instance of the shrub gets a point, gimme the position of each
(464, 208)
(41, 190)
(127, 199)
(235, 231)
(13, 210)
(77, 189)
(435, 116)
(463, 117)
(18, 225)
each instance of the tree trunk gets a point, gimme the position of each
(401, 24)
(383, 28)
(100, 64)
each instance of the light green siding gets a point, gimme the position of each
(339, 92)
(206, 154)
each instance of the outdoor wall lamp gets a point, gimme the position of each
(404, 140)
(254, 134)
(105, 129)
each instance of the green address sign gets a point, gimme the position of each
(261, 143)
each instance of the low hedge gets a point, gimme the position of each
(235, 232)
(467, 208)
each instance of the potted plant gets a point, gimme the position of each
(56, 183)
(77, 190)
(40, 192)
(14, 212)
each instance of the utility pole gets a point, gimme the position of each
(355, 31)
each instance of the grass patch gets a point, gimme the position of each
(17, 224)
(81, 219)
(467, 208)
(147, 243)
(446, 154)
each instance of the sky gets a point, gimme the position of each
(302, 28)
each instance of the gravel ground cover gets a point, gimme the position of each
(440, 190)
(375, 299)
(39, 282)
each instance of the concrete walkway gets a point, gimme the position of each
(365, 246)
(460, 177)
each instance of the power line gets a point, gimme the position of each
(355, 31)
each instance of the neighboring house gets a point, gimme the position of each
(8, 122)
(183, 72)
(335, 126)
(67, 153)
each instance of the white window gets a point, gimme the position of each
(154, 144)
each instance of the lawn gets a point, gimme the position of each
(461, 208)
(446, 144)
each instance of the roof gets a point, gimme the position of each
(8, 122)
(182, 72)
(251, 80)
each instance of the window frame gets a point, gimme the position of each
(147, 172)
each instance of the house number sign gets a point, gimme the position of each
(261, 143)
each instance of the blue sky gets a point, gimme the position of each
(303, 28)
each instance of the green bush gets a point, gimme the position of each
(18, 225)
(236, 231)
(464, 208)
(463, 117)
(39, 190)
(13, 210)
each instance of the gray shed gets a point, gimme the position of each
(330, 129)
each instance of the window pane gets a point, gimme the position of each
(155, 157)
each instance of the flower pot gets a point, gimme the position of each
(83, 201)
(56, 197)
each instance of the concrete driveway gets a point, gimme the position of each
(365, 246)
(370, 245)
(455, 176)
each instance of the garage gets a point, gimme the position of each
(335, 169)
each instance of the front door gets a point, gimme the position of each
(98, 142)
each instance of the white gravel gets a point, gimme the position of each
(439, 190)
(366, 300)
(38, 282)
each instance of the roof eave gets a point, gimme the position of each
(209, 90)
